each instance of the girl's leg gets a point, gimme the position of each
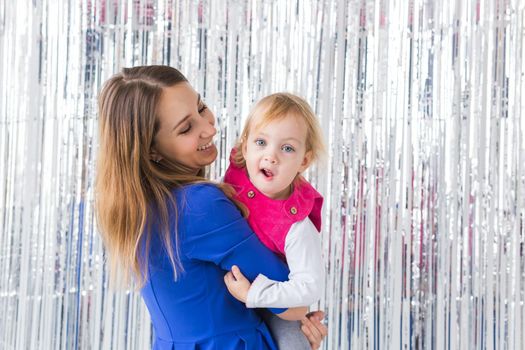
(287, 334)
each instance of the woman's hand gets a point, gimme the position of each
(237, 284)
(313, 329)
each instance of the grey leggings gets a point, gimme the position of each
(287, 334)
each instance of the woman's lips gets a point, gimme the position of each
(205, 147)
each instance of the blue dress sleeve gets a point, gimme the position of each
(214, 230)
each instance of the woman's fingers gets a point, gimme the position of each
(319, 315)
(313, 336)
(316, 317)
(315, 341)
(313, 329)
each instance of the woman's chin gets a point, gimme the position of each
(209, 155)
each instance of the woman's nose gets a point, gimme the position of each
(209, 131)
(208, 127)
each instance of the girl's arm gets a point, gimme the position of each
(212, 229)
(305, 281)
(238, 285)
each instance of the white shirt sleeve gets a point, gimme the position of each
(306, 279)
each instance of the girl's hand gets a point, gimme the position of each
(237, 284)
(313, 329)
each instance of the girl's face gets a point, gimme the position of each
(275, 153)
(186, 128)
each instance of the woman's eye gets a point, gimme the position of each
(260, 142)
(186, 130)
(288, 148)
(202, 107)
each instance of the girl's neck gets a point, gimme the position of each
(284, 194)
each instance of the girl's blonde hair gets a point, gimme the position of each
(130, 186)
(276, 107)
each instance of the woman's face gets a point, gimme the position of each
(186, 128)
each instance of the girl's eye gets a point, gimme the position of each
(187, 129)
(288, 148)
(260, 142)
(202, 107)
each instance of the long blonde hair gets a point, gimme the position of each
(130, 185)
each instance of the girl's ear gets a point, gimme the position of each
(244, 146)
(307, 160)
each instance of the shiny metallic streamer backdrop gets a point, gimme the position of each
(421, 103)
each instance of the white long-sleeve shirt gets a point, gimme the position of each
(306, 279)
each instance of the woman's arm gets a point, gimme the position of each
(294, 313)
(238, 286)
(215, 231)
(305, 281)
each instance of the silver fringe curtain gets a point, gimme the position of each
(422, 107)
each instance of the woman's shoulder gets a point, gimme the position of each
(198, 191)
(201, 198)
(205, 204)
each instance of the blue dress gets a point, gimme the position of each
(197, 311)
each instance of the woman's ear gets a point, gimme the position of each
(154, 155)
(307, 160)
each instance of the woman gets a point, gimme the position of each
(168, 228)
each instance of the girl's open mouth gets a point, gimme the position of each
(267, 173)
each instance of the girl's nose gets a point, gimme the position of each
(270, 158)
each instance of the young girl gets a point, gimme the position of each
(280, 140)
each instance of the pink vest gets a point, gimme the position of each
(271, 219)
